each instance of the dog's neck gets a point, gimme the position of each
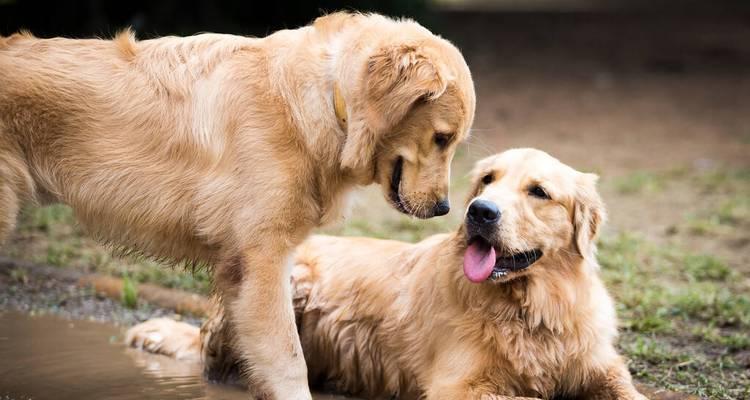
(545, 300)
(319, 116)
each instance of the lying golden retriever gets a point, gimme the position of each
(510, 304)
(229, 150)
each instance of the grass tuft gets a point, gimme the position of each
(639, 182)
(731, 214)
(715, 305)
(129, 293)
(653, 351)
(702, 267)
(47, 218)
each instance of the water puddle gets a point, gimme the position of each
(46, 357)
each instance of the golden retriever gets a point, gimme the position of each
(228, 150)
(510, 304)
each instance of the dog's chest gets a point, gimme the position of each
(536, 363)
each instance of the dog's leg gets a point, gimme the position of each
(15, 183)
(8, 209)
(614, 384)
(220, 359)
(257, 296)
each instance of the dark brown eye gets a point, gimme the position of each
(487, 179)
(442, 140)
(538, 191)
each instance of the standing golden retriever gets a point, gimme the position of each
(228, 150)
(510, 304)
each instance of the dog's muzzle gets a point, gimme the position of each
(482, 218)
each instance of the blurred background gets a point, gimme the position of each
(652, 95)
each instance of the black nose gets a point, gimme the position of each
(442, 207)
(482, 212)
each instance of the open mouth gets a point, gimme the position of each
(394, 193)
(482, 262)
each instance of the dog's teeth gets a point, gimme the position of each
(498, 274)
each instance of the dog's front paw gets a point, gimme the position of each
(165, 336)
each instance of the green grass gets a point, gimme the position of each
(729, 214)
(50, 235)
(678, 308)
(47, 219)
(647, 349)
(713, 304)
(639, 182)
(726, 380)
(722, 179)
(731, 341)
(647, 182)
(656, 284)
(129, 293)
(704, 267)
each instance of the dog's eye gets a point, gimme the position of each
(538, 191)
(442, 140)
(487, 179)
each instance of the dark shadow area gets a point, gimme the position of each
(83, 18)
(86, 18)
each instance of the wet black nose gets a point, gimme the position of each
(442, 207)
(483, 212)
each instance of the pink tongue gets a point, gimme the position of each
(479, 261)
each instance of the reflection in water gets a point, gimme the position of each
(51, 358)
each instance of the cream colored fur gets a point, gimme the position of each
(385, 318)
(226, 150)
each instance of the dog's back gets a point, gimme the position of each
(108, 127)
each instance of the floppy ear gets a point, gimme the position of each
(395, 78)
(588, 215)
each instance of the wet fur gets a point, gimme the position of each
(226, 150)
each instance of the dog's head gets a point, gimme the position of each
(527, 211)
(410, 101)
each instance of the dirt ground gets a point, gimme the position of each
(658, 106)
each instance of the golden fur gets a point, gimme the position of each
(386, 318)
(227, 150)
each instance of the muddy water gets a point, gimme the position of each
(46, 357)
